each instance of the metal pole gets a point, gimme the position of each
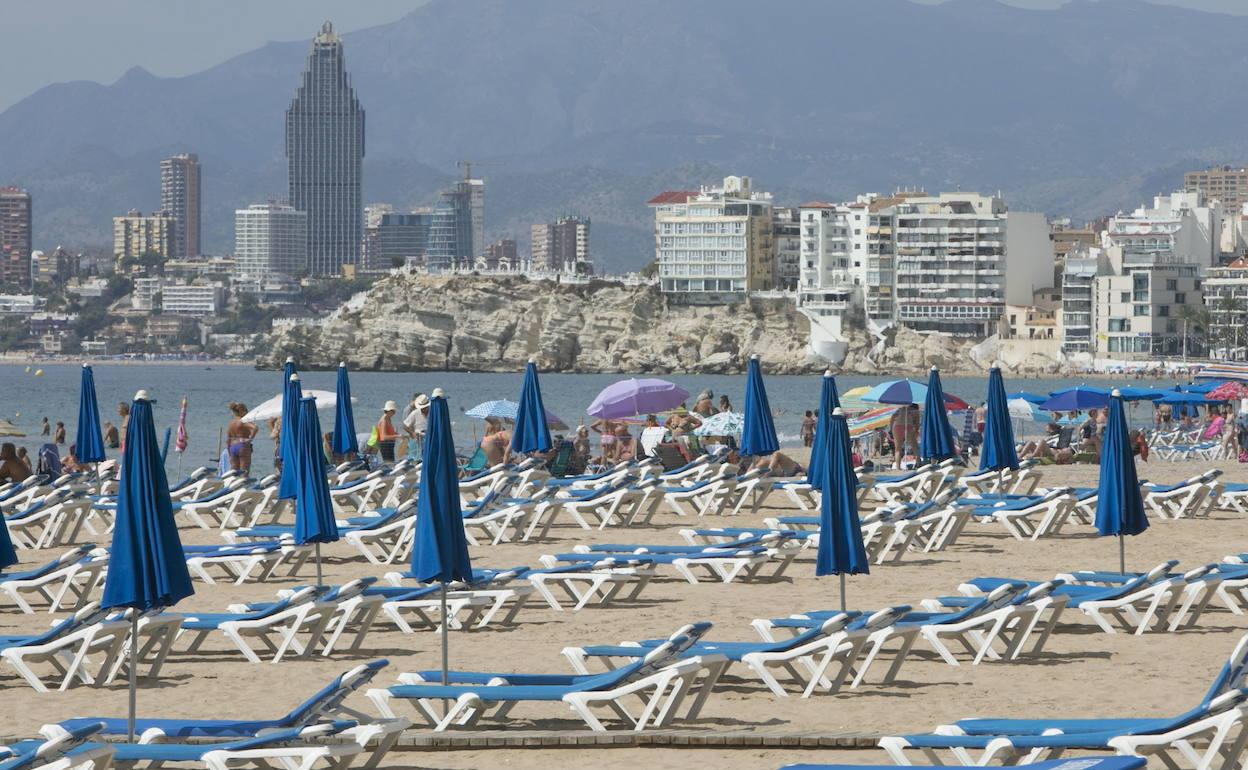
(1122, 554)
(319, 581)
(134, 670)
(842, 592)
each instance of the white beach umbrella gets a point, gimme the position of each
(325, 399)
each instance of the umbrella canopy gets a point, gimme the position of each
(722, 424)
(633, 396)
(873, 420)
(1140, 394)
(1119, 504)
(8, 429)
(89, 441)
(1200, 387)
(344, 441)
(325, 399)
(853, 400)
(1228, 391)
(936, 434)
(1032, 398)
(1076, 400)
(146, 565)
(841, 551)
(1187, 398)
(998, 452)
(291, 396)
(758, 434)
(531, 433)
(314, 511)
(502, 409)
(828, 401)
(907, 392)
(1021, 409)
(440, 550)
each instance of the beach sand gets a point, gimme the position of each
(1081, 671)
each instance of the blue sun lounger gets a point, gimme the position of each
(659, 679)
(324, 705)
(1213, 720)
(67, 750)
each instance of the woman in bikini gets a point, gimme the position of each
(606, 429)
(238, 437)
(496, 444)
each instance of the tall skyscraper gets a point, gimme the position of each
(324, 154)
(179, 195)
(15, 246)
(270, 241)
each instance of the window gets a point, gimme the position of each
(1124, 296)
(1163, 311)
(1171, 284)
(1180, 298)
(1141, 310)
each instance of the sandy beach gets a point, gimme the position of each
(1081, 671)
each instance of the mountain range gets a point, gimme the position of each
(593, 106)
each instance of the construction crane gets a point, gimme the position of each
(467, 165)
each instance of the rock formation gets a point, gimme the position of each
(409, 322)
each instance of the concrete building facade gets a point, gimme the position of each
(270, 241)
(137, 234)
(180, 191)
(16, 221)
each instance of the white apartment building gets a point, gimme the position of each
(1180, 227)
(1076, 317)
(714, 245)
(145, 295)
(960, 257)
(270, 240)
(826, 293)
(193, 299)
(1139, 313)
(1226, 299)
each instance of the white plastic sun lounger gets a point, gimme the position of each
(67, 648)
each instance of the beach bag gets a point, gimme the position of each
(372, 438)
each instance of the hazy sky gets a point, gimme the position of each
(48, 41)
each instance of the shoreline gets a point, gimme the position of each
(28, 361)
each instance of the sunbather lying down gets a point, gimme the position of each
(780, 464)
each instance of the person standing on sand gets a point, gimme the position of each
(808, 429)
(275, 433)
(238, 439)
(415, 422)
(123, 411)
(386, 433)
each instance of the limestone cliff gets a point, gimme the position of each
(468, 323)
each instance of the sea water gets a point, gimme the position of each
(26, 398)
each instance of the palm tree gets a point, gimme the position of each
(1193, 316)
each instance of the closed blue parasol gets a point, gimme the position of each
(89, 441)
(440, 548)
(146, 564)
(829, 399)
(314, 511)
(841, 551)
(344, 441)
(1119, 504)
(758, 434)
(998, 452)
(531, 433)
(292, 394)
(1076, 400)
(935, 435)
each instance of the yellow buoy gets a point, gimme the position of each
(38, 372)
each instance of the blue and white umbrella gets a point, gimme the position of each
(722, 424)
(502, 409)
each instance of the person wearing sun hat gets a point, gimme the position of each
(385, 432)
(415, 422)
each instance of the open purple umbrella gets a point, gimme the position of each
(630, 397)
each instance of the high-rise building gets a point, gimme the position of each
(324, 153)
(786, 235)
(714, 244)
(180, 196)
(137, 234)
(561, 246)
(1220, 183)
(15, 236)
(961, 257)
(270, 241)
(457, 226)
(394, 239)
